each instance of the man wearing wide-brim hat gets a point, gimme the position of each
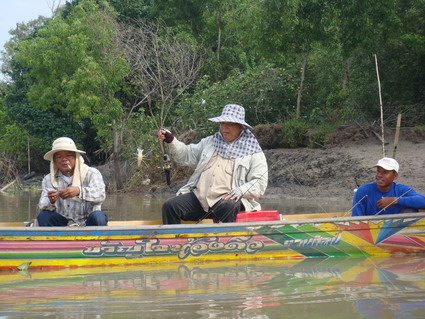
(72, 192)
(230, 172)
(384, 196)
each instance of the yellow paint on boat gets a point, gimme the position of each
(129, 237)
(84, 262)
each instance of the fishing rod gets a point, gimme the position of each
(358, 202)
(166, 164)
(212, 209)
(392, 202)
(166, 161)
(383, 209)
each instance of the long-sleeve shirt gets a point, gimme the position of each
(250, 173)
(77, 209)
(366, 198)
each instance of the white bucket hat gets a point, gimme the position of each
(232, 113)
(388, 163)
(62, 144)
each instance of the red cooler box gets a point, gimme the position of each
(259, 216)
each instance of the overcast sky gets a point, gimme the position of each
(17, 11)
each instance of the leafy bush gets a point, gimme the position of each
(300, 133)
(318, 136)
(266, 93)
(14, 145)
(294, 133)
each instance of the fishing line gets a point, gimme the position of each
(369, 258)
(392, 202)
(358, 202)
(211, 210)
(363, 253)
(268, 169)
(85, 212)
(308, 192)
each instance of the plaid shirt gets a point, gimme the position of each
(77, 209)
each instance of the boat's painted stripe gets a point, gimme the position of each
(145, 260)
(104, 246)
(391, 227)
(59, 237)
(328, 250)
(108, 232)
(52, 245)
(303, 239)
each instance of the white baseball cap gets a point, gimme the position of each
(388, 163)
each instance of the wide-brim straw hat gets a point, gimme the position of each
(232, 113)
(62, 144)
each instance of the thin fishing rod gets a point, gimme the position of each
(383, 209)
(392, 202)
(358, 202)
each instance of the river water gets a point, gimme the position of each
(22, 206)
(392, 287)
(310, 288)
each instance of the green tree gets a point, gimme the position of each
(74, 68)
(293, 27)
(39, 123)
(264, 91)
(361, 29)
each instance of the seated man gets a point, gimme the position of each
(230, 172)
(73, 192)
(384, 196)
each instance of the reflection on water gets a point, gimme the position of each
(309, 288)
(23, 206)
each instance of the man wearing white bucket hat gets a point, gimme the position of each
(230, 172)
(72, 193)
(384, 196)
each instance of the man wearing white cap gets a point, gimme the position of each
(230, 172)
(384, 196)
(72, 193)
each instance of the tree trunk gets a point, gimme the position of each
(218, 37)
(116, 156)
(346, 79)
(300, 89)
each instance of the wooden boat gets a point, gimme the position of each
(141, 242)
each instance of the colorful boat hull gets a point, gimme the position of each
(129, 245)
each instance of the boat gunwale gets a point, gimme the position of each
(272, 224)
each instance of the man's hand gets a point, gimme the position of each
(233, 194)
(53, 196)
(165, 136)
(387, 202)
(69, 192)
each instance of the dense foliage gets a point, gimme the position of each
(307, 64)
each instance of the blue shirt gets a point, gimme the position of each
(366, 198)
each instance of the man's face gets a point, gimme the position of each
(230, 130)
(384, 178)
(65, 161)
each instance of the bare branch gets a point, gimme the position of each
(163, 67)
(54, 5)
